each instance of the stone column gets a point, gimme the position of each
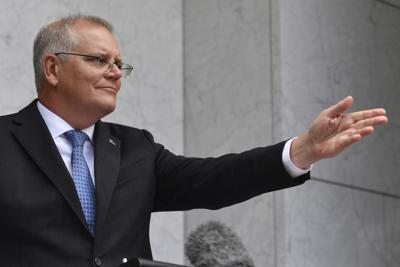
(228, 103)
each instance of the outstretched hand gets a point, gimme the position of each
(333, 131)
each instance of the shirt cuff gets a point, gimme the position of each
(289, 166)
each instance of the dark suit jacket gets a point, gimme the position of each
(42, 223)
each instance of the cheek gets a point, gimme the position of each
(80, 83)
(91, 82)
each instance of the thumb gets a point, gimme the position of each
(340, 107)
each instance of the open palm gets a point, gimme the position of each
(333, 131)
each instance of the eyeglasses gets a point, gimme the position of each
(102, 62)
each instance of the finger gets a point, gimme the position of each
(365, 131)
(345, 141)
(365, 114)
(339, 107)
(379, 120)
(351, 137)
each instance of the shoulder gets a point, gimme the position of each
(26, 114)
(6, 121)
(7, 117)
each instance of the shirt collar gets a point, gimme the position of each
(57, 126)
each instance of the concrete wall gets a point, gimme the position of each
(280, 63)
(329, 50)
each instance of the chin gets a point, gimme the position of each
(109, 108)
(106, 107)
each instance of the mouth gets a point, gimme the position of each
(110, 89)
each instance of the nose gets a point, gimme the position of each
(114, 72)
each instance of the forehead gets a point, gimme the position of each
(94, 38)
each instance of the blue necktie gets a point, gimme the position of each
(81, 176)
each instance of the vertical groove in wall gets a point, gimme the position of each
(271, 57)
(183, 76)
(275, 89)
(272, 78)
(184, 135)
(275, 70)
(275, 228)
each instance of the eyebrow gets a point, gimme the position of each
(104, 55)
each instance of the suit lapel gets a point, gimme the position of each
(107, 150)
(33, 135)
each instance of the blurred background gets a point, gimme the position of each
(219, 76)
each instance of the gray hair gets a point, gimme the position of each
(57, 37)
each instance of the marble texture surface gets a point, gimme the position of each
(150, 37)
(330, 226)
(228, 103)
(227, 76)
(321, 52)
(337, 48)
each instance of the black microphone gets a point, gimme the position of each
(213, 244)
(137, 262)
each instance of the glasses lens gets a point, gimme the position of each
(126, 70)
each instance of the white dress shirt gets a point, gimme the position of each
(288, 164)
(57, 127)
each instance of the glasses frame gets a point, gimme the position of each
(125, 68)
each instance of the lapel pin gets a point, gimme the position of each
(112, 142)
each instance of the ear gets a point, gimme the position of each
(51, 68)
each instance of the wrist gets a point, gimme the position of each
(301, 152)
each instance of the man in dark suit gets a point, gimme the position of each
(75, 191)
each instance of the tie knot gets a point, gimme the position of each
(77, 138)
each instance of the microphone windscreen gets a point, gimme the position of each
(213, 244)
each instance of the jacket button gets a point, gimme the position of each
(97, 261)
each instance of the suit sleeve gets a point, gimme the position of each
(186, 183)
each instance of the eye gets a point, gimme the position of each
(100, 61)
